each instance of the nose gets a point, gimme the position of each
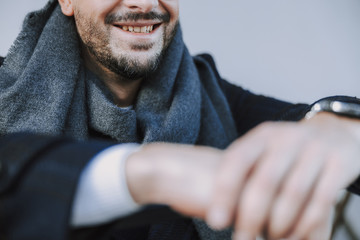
(141, 5)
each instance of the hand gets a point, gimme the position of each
(181, 176)
(283, 178)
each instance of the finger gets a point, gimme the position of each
(257, 199)
(320, 204)
(324, 229)
(238, 161)
(263, 185)
(296, 190)
(243, 236)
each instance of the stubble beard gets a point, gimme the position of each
(128, 67)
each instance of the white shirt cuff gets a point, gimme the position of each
(102, 194)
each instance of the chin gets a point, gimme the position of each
(143, 57)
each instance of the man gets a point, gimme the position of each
(118, 70)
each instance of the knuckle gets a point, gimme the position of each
(315, 145)
(225, 185)
(316, 217)
(231, 157)
(265, 127)
(311, 221)
(295, 192)
(237, 161)
(265, 183)
(260, 189)
(326, 199)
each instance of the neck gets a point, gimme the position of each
(124, 91)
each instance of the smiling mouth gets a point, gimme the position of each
(138, 29)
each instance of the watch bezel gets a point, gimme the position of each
(335, 106)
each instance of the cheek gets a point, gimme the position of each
(95, 10)
(172, 7)
(104, 7)
(90, 31)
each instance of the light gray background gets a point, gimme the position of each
(297, 50)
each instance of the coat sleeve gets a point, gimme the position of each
(38, 178)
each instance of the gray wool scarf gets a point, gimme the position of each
(44, 88)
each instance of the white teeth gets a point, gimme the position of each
(145, 29)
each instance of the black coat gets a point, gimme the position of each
(39, 174)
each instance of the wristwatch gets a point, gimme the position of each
(338, 107)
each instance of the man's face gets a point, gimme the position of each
(126, 37)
